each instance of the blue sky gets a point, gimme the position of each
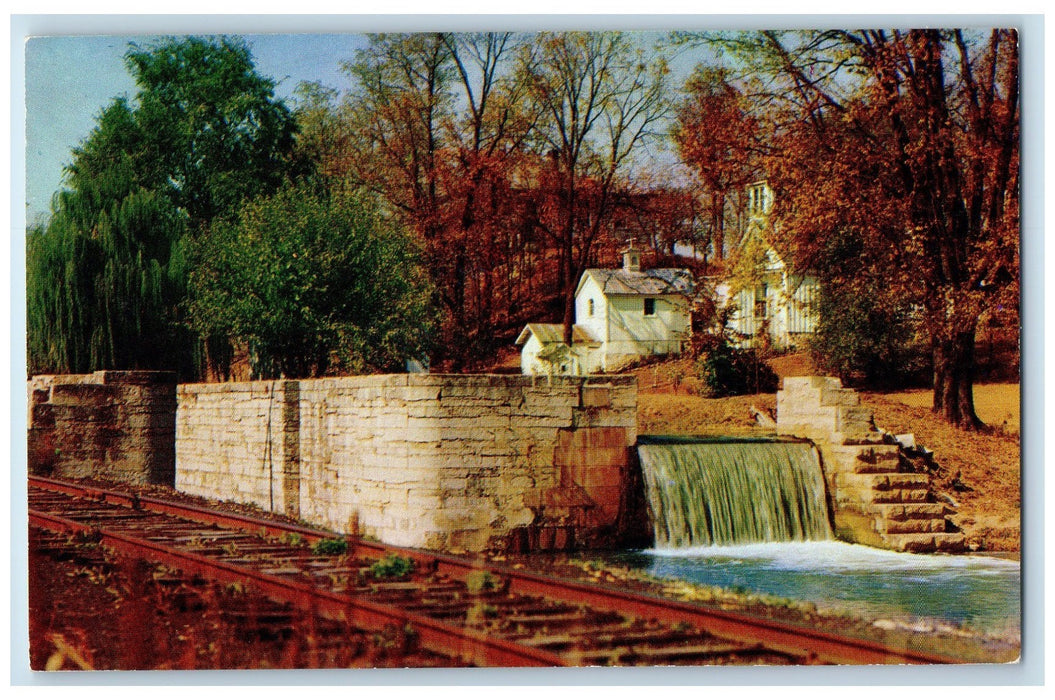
(69, 80)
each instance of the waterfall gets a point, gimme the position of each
(722, 491)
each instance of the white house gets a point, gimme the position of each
(779, 308)
(621, 316)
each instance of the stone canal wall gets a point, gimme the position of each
(109, 425)
(454, 462)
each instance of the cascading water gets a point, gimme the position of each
(722, 492)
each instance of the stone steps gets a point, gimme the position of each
(910, 511)
(884, 481)
(873, 459)
(924, 543)
(864, 493)
(874, 501)
(893, 519)
(908, 527)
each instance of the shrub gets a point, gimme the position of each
(478, 582)
(868, 338)
(312, 281)
(333, 547)
(726, 370)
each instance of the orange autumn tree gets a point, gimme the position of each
(486, 147)
(908, 142)
(436, 125)
(660, 216)
(717, 137)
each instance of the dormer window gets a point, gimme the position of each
(650, 307)
(758, 199)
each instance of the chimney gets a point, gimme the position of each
(631, 259)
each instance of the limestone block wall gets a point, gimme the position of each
(820, 409)
(875, 499)
(237, 442)
(455, 462)
(108, 425)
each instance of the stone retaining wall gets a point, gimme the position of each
(108, 425)
(876, 498)
(454, 462)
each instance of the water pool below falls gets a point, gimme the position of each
(751, 515)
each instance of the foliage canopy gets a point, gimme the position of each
(909, 141)
(107, 273)
(312, 280)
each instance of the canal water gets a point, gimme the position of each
(974, 592)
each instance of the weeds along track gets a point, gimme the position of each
(470, 611)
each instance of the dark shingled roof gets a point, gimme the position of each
(664, 280)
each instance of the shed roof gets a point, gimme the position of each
(554, 333)
(658, 281)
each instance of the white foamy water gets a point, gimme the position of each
(836, 556)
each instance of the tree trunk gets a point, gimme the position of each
(569, 306)
(568, 243)
(954, 378)
(718, 226)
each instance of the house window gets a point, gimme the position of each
(650, 307)
(756, 199)
(760, 301)
(589, 307)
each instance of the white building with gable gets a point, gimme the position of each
(779, 308)
(621, 316)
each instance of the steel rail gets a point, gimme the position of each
(435, 636)
(814, 645)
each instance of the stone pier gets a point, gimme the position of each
(449, 462)
(109, 425)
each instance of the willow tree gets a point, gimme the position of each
(909, 141)
(104, 282)
(107, 273)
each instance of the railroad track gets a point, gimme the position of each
(476, 612)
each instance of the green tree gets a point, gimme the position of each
(867, 332)
(866, 336)
(107, 273)
(104, 282)
(309, 280)
(213, 133)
